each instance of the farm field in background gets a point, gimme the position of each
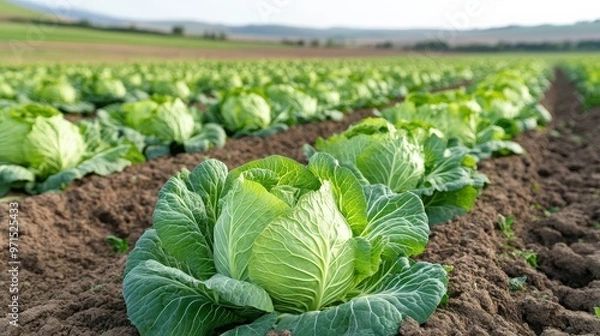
(22, 32)
(29, 43)
(25, 43)
(64, 52)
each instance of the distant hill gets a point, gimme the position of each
(16, 10)
(510, 34)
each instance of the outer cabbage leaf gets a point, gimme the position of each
(205, 137)
(347, 146)
(260, 327)
(400, 218)
(443, 206)
(345, 150)
(182, 223)
(103, 163)
(445, 171)
(208, 181)
(347, 189)
(159, 299)
(393, 162)
(414, 288)
(164, 299)
(100, 137)
(12, 174)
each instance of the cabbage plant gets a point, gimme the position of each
(457, 116)
(355, 94)
(61, 94)
(44, 152)
(327, 96)
(6, 91)
(164, 123)
(409, 160)
(275, 245)
(173, 88)
(245, 112)
(55, 92)
(39, 136)
(291, 105)
(105, 90)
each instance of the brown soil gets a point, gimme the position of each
(70, 282)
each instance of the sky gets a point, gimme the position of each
(386, 14)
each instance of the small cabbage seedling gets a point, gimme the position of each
(529, 256)
(119, 245)
(551, 210)
(517, 284)
(505, 225)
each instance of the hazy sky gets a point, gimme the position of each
(461, 14)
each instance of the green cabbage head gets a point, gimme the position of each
(39, 137)
(6, 91)
(55, 92)
(247, 111)
(109, 87)
(292, 103)
(162, 117)
(177, 89)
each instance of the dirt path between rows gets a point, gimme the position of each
(70, 282)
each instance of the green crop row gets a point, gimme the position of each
(585, 73)
(150, 110)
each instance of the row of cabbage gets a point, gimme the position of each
(277, 247)
(336, 84)
(585, 74)
(438, 138)
(43, 151)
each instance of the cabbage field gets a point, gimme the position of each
(403, 196)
